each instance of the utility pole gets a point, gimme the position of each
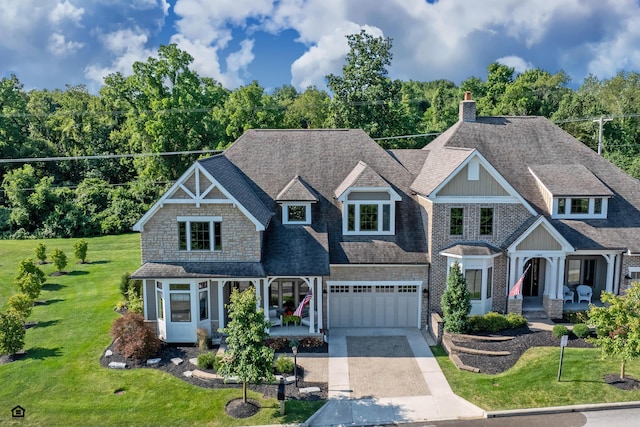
(601, 121)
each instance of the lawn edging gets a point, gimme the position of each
(562, 409)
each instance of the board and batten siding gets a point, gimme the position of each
(539, 239)
(460, 185)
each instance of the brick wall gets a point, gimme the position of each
(240, 240)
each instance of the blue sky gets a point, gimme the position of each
(51, 43)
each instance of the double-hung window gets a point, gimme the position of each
(456, 221)
(486, 221)
(200, 233)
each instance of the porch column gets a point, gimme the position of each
(220, 303)
(610, 267)
(257, 289)
(312, 286)
(319, 307)
(616, 274)
(513, 265)
(550, 275)
(562, 260)
(145, 299)
(265, 292)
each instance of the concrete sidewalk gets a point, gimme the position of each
(440, 404)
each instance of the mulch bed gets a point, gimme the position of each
(186, 352)
(524, 338)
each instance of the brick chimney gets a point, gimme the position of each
(467, 111)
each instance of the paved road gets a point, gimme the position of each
(606, 418)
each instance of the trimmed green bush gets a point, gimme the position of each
(284, 365)
(206, 360)
(581, 330)
(496, 322)
(59, 259)
(516, 320)
(560, 330)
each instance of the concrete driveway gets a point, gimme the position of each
(386, 376)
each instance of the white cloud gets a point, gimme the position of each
(125, 47)
(617, 52)
(59, 46)
(66, 11)
(515, 62)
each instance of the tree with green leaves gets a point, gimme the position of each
(456, 301)
(12, 333)
(247, 357)
(364, 96)
(59, 259)
(30, 278)
(41, 252)
(80, 250)
(617, 325)
(20, 304)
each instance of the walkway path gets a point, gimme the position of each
(387, 400)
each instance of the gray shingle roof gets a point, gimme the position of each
(297, 191)
(570, 180)
(174, 270)
(361, 176)
(438, 167)
(232, 180)
(411, 159)
(325, 157)
(512, 144)
(472, 249)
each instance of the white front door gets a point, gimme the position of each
(181, 312)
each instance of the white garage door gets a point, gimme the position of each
(374, 304)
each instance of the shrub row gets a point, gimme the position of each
(495, 322)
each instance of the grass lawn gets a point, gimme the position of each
(61, 382)
(532, 382)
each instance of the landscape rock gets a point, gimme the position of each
(194, 361)
(306, 390)
(177, 361)
(151, 362)
(108, 353)
(188, 374)
(117, 365)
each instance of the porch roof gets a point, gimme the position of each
(184, 270)
(471, 249)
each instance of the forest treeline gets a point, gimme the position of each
(164, 106)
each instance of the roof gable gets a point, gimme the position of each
(297, 190)
(569, 180)
(541, 236)
(362, 176)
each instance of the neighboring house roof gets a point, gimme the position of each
(326, 158)
(175, 270)
(570, 180)
(297, 191)
(513, 144)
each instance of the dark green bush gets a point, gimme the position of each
(284, 365)
(581, 330)
(217, 361)
(559, 330)
(516, 320)
(496, 322)
(206, 360)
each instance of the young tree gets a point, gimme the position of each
(11, 333)
(20, 304)
(80, 250)
(59, 259)
(617, 325)
(247, 357)
(456, 301)
(41, 252)
(30, 278)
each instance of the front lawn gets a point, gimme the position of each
(61, 382)
(532, 382)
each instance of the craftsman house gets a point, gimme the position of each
(371, 233)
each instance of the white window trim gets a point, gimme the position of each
(633, 270)
(285, 213)
(188, 220)
(590, 215)
(357, 204)
(482, 263)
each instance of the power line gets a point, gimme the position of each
(104, 156)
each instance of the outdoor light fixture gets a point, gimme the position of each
(294, 349)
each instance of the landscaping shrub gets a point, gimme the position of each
(560, 330)
(217, 361)
(456, 301)
(133, 339)
(59, 259)
(311, 342)
(284, 365)
(11, 333)
(203, 338)
(41, 252)
(80, 250)
(206, 360)
(21, 304)
(496, 322)
(516, 320)
(581, 330)
(124, 284)
(30, 278)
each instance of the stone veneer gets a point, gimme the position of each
(515, 306)
(553, 307)
(240, 240)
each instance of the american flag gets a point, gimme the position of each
(517, 288)
(304, 301)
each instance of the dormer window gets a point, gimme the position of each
(296, 213)
(369, 212)
(580, 207)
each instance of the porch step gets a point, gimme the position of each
(535, 314)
